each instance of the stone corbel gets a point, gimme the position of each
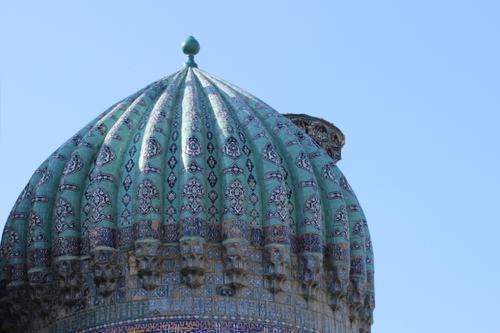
(69, 277)
(149, 263)
(103, 262)
(276, 268)
(356, 297)
(193, 261)
(235, 263)
(17, 306)
(310, 265)
(42, 292)
(366, 313)
(337, 284)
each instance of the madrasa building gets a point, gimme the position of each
(190, 206)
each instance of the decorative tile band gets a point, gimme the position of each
(147, 228)
(173, 324)
(39, 257)
(192, 227)
(310, 243)
(102, 236)
(234, 229)
(278, 234)
(207, 314)
(66, 246)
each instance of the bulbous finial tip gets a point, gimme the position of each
(190, 46)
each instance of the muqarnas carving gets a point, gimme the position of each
(42, 292)
(235, 256)
(366, 313)
(193, 261)
(192, 243)
(17, 308)
(337, 284)
(149, 263)
(104, 266)
(276, 268)
(235, 252)
(311, 265)
(69, 277)
(356, 296)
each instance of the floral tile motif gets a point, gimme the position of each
(132, 216)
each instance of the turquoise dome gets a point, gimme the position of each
(190, 190)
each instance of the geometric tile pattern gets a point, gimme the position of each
(196, 196)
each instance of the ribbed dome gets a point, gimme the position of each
(190, 192)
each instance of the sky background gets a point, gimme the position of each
(413, 85)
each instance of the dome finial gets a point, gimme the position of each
(190, 47)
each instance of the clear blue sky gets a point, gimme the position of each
(414, 86)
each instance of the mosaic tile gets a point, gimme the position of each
(150, 197)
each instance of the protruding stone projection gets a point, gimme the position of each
(366, 313)
(356, 297)
(235, 256)
(193, 261)
(310, 265)
(276, 268)
(42, 292)
(18, 308)
(69, 277)
(235, 253)
(104, 266)
(337, 284)
(149, 263)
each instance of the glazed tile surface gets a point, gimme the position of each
(190, 197)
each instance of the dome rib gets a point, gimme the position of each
(190, 187)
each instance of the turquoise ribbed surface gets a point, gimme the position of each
(189, 159)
